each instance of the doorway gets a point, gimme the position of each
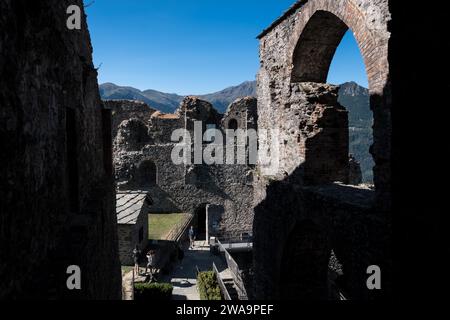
(200, 225)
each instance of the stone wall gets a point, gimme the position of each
(57, 203)
(244, 111)
(126, 246)
(126, 109)
(128, 235)
(305, 39)
(340, 218)
(305, 224)
(185, 188)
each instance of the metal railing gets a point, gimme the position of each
(236, 237)
(176, 232)
(236, 273)
(222, 286)
(197, 271)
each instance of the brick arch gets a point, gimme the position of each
(284, 103)
(316, 47)
(320, 27)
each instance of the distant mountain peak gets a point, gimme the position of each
(169, 102)
(352, 96)
(353, 89)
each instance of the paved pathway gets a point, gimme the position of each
(183, 275)
(127, 286)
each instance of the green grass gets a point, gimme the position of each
(160, 225)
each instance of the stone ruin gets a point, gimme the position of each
(325, 231)
(142, 157)
(57, 194)
(313, 236)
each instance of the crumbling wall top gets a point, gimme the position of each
(285, 15)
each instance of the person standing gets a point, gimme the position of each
(136, 256)
(191, 237)
(150, 263)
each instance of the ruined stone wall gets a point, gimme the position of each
(342, 217)
(303, 42)
(244, 111)
(184, 188)
(295, 55)
(132, 135)
(126, 109)
(57, 203)
(162, 128)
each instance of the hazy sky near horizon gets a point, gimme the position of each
(192, 46)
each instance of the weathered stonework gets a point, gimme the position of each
(227, 189)
(354, 172)
(57, 203)
(132, 135)
(308, 214)
(127, 109)
(243, 114)
(299, 47)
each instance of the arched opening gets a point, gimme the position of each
(348, 70)
(324, 40)
(200, 221)
(304, 265)
(233, 124)
(316, 47)
(311, 33)
(132, 135)
(147, 174)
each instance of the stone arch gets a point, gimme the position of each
(132, 135)
(147, 173)
(314, 52)
(319, 29)
(233, 124)
(290, 98)
(321, 26)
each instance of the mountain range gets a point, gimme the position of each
(351, 95)
(169, 102)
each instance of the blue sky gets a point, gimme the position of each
(192, 46)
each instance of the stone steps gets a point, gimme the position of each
(231, 288)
